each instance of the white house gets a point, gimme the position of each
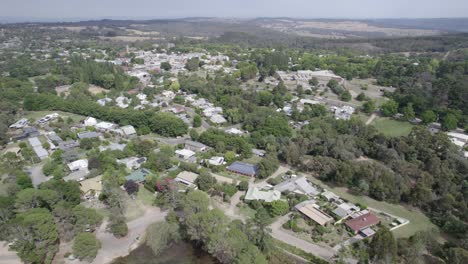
(234, 131)
(77, 165)
(187, 178)
(185, 154)
(216, 161)
(132, 163)
(218, 119)
(128, 130)
(90, 121)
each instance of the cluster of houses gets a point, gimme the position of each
(354, 218)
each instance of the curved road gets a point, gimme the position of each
(113, 247)
(279, 233)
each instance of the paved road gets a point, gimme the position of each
(372, 117)
(37, 176)
(114, 247)
(7, 256)
(279, 233)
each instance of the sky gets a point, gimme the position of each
(66, 10)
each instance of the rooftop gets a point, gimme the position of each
(268, 196)
(362, 222)
(243, 168)
(308, 209)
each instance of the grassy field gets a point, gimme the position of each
(392, 128)
(234, 176)
(418, 221)
(145, 196)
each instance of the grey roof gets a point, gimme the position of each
(88, 134)
(54, 137)
(40, 152)
(297, 184)
(34, 142)
(66, 145)
(243, 168)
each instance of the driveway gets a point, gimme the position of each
(7, 256)
(259, 184)
(279, 233)
(37, 176)
(113, 247)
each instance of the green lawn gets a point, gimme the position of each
(233, 176)
(247, 211)
(392, 128)
(145, 196)
(418, 221)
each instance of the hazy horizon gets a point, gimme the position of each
(75, 10)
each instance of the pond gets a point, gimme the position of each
(180, 253)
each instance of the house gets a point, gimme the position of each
(234, 131)
(34, 142)
(104, 101)
(218, 119)
(52, 136)
(138, 176)
(88, 134)
(48, 118)
(344, 112)
(77, 165)
(90, 121)
(28, 132)
(253, 193)
(133, 163)
(122, 101)
(310, 210)
(362, 222)
(105, 126)
(216, 161)
(186, 154)
(20, 123)
(330, 196)
(345, 209)
(195, 146)
(297, 185)
(458, 139)
(243, 168)
(187, 178)
(37, 148)
(67, 145)
(79, 175)
(259, 152)
(91, 188)
(128, 131)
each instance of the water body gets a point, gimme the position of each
(181, 253)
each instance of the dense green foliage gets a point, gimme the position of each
(86, 246)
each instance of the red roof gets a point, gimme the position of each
(362, 222)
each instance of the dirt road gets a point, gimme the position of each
(279, 233)
(114, 247)
(7, 256)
